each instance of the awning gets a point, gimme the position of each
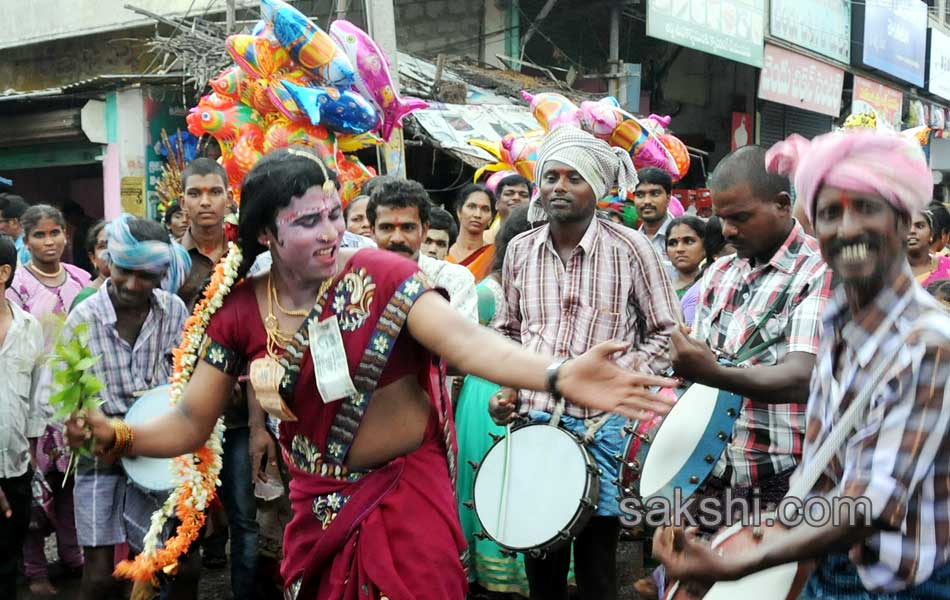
(451, 126)
(95, 84)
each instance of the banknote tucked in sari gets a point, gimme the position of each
(389, 532)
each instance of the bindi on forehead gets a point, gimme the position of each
(845, 200)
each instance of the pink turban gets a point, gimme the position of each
(869, 162)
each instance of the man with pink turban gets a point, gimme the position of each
(885, 490)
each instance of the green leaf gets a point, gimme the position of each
(62, 414)
(87, 363)
(70, 398)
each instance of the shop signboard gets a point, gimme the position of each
(731, 29)
(822, 26)
(938, 72)
(871, 96)
(895, 38)
(795, 80)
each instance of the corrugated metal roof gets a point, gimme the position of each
(98, 83)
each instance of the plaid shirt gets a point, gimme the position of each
(899, 455)
(125, 369)
(612, 287)
(734, 295)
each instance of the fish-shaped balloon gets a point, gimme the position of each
(223, 124)
(345, 112)
(352, 174)
(606, 120)
(521, 151)
(308, 44)
(373, 78)
(553, 110)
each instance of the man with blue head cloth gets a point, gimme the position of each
(133, 322)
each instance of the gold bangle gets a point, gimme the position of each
(122, 442)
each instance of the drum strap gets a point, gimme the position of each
(747, 350)
(591, 425)
(812, 471)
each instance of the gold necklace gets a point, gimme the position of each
(39, 273)
(277, 339)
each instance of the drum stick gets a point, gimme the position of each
(503, 502)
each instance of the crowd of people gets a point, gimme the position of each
(545, 311)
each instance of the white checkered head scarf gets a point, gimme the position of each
(601, 165)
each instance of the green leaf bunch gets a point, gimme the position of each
(75, 388)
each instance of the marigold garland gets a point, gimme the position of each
(196, 474)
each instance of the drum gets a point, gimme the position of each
(783, 582)
(686, 445)
(535, 489)
(150, 474)
(636, 432)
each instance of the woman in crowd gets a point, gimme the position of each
(714, 246)
(684, 246)
(46, 287)
(95, 246)
(488, 568)
(941, 226)
(926, 265)
(475, 210)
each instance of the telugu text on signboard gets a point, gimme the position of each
(822, 26)
(885, 102)
(731, 29)
(795, 80)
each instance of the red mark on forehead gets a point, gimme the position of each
(845, 200)
(397, 223)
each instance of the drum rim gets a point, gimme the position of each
(581, 516)
(725, 400)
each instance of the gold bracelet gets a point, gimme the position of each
(122, 443)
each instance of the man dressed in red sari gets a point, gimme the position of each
(368, 437)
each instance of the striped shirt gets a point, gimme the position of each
(734, 296)
(613, 287)
(899, 456)
(126, 369)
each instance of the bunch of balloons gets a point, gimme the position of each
(646, 139)
(295, 84)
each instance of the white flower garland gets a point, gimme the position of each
(186, 475)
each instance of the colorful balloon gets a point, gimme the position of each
(679, 152)
(495, 178)
(224, 124)
(352, 174)
(553, 110)
(284, 132)
(357, 142)
(373, 79)
(607, 121)
(345, 112)
(243, 156)
(521, 151)
(309, 46)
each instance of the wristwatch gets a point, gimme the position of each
(551, 374)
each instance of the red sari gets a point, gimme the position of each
(479, 263)
(389, 532)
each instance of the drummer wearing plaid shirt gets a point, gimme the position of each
(569, 286)
(777, 268)
(883, 335)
